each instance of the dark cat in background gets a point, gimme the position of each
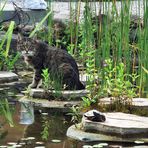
(60, 64)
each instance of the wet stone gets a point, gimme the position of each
(120, 124)
(118, 127)
(7, 77)
(140, 103)
(40, 93)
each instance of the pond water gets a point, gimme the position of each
(30, 136)
(45, 128)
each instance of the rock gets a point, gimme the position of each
(121, 124)
(140, 103)
(6, 77)
(40, 93)
(62, 106)
(78, 134)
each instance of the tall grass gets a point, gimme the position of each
(106, 34)
(109, 38)
(96, 38)
(142, 44)
(7, 60)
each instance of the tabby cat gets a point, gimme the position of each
(59, 62)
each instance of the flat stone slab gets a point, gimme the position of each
(78, 134)
(6, 77)
(40, 93)
(120, 124)
(53, 104)
(136, 102)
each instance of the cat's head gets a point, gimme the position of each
(27, 47)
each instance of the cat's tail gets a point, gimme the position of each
(80, 86)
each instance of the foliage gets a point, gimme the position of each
(6, 111)
(87, 101)
(7, 60)
(46, 79)
(45, 126)
(75, 113)
(145, 70)
(49, 82)
(115, 83)
(38, 26)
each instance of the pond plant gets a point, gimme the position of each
(6, 111)
(7, 59)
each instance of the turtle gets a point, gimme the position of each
(94, 115)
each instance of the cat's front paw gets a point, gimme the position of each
(32, 85)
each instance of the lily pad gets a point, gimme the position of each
(139, 142)
(39, 142)
(87, 146)
(56, 140)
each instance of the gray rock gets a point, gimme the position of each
(120, 124)
(62, 106)
(6, 77)
(40, 93)
(140, 103)
(78, 134)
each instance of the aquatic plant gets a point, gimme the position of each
(116, 83)
(112, 38)
(39, 25)
(7, 59)
(49, 84)
(87, 101)
(46, 80)
(45, 126)
(6, 111)
(75, 114)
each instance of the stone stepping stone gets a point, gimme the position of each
(78, 134)
(120, 124)
(136, 102)
(40, 93)
(7, 77)
(118, 127)
(50, 104)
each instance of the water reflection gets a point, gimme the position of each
(26, 113)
